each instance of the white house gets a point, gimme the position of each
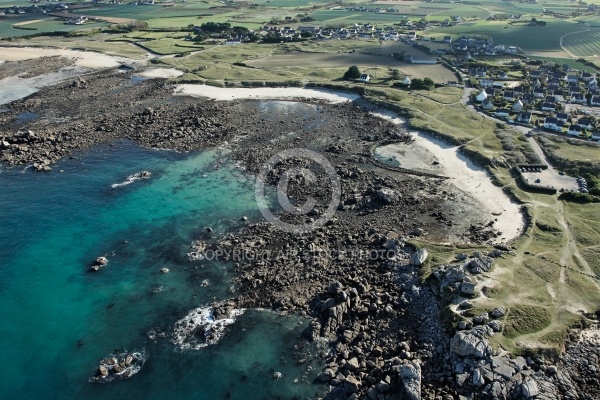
(508, 95)
(481, 96)
(487, 104)
(364, 78)
(578, 98)
(585, 122)
(596, 136)
(562, 117)
(405, 81)
(524, 117)
(502, 112)
(546, 106)
(574, 130)
(572, 78)
(484, 83)
(559, 95)
(539, 93)
(553, 124)
(517, 106)
(586, 76)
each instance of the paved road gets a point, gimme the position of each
(549, 177)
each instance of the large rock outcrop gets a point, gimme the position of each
(473, 343)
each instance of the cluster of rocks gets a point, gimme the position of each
(98, 264)
(122, 365)
(461, 278)
(479, 373)
(26, 147)
(196, 250)
(34, 67)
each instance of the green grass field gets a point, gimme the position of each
(45, 24)
(546, 38)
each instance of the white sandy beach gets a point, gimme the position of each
(218, 93)
(465, 175)
(89, 59)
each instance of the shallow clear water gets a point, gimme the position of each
(59, 320)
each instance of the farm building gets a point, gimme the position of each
(364, 78)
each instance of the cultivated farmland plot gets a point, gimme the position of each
(584, 44)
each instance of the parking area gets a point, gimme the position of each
(549, 178)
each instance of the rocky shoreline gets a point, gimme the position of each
(360, 277)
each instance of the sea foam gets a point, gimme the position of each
(132, 178)
(199, 328)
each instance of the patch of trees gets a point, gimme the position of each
(535, 22)
(128, 27)
(588, 63)
(422, 84)
(416, 84)
(535, 62)
(222, 29)
(352, 73)
(576, 197)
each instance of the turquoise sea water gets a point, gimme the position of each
(59, 320)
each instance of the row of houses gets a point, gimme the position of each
(43, 9)
(575, 128)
